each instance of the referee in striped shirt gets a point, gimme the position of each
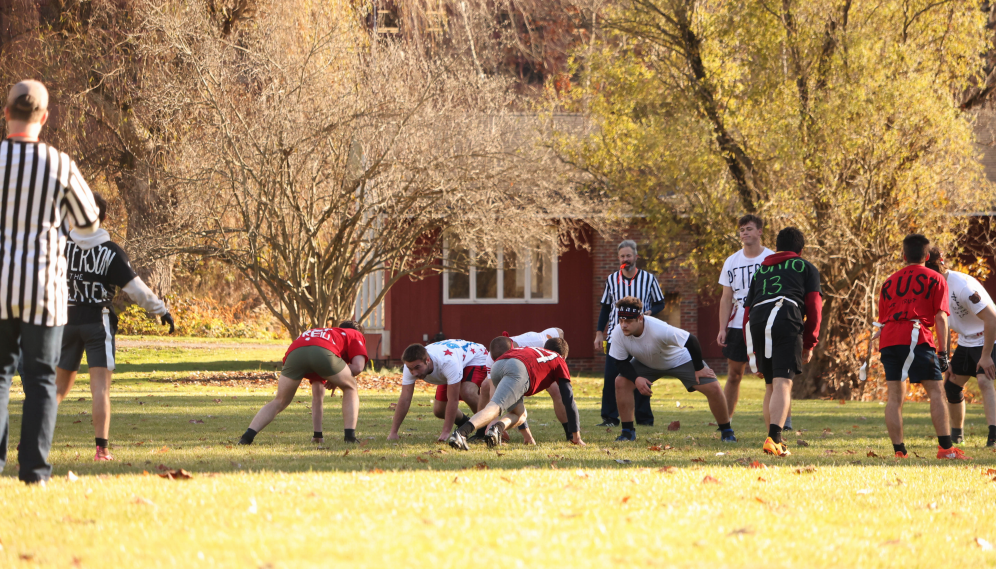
(627, 281)
(42, 194)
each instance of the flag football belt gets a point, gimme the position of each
(778, 300)
(914, 340)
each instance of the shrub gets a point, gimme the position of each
(202, 318)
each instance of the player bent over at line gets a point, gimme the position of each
(910, 302)
(518, 373)
(316, 352)
(355, 356)
(455, 367)
(648, 349)
(973, 316)
(782, 313)
(526, 340)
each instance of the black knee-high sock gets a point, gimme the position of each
(775, 432)
(249, 435)
(349, 435)
(466, 428)
(992, 432)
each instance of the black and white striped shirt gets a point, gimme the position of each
(643, 286)
(41, 190)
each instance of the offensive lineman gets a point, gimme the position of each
(973, 317)
(526, 340)
(648, 349)
(455, 367)
(782, 315)
(354, 354)
(518, 373)
(315, 352)
(911, 301)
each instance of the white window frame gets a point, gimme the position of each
(501, 283)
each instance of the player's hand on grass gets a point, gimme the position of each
(576, 440)
(643, 386)
(807, 355)
(168, 319)
(443, 436)
(721, 338)
(988, 366)
(527, 437)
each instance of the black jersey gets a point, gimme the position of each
(94, 276)
(782, 275)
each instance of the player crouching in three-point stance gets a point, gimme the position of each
(973, 316)
(910, 302)
(316, 353)
(517, 373)
(647, 349)
(527, 340)
(354, 354)
(782, 314)
(455, 367)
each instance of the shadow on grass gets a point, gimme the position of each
(198, 432)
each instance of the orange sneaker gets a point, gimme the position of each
(901, 454)
(777, 449)
(953, 453)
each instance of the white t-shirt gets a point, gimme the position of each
(968, 299)
(527, 340)
(738, 271)
(661, 346)
(449, 357)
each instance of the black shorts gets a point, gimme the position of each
(786, 349)
(965, 361)
(924, 367)
(96, 339)
(735, 349)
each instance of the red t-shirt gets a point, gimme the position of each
(911, 293)
(343, 342)
(544, 367)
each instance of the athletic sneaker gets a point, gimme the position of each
(608, 423)
(729, 437)
(901, 454)
(494, 434)
(777, 449)
(953, 453)
(958, 439)
(244, 441)
(317, 440)
(458, 441)
(102, 454)
(626, 436)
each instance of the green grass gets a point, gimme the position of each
(285, 503)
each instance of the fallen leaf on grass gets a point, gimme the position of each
(144, 501)
(196, 421)
(623, 460)
(178, 474)
(77, 421)
(581, 474)
(217, 400)
(668, 469)
(376, 471)
(481, 466)
(71, 476)
(698, 459)
(801, 443)
(741, 531)
(655, 448)
(710, 480)
(345, 453)
(829, 451)
(420, 459)
(983, 544)
(757, 464)
(806, 470)
(842, 402)
(26, 556)
(759, 479)
(625, 499)
(758, 499)
(456, 479)
(871, 454)
(674, 426)
(162, 450)
(865, 491)
(989, 472)
(506, 479)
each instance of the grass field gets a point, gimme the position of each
(673, 498)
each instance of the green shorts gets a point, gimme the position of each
(312, 360)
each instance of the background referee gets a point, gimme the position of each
(41, 191)
(627, 281)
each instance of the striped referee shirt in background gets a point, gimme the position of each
(643, 286)
(42, 190)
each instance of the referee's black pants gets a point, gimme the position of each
(39, 348)
(610, 412)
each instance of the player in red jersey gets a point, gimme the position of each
(355, 356)
(517, 373)
(316, 353)
(911, 301)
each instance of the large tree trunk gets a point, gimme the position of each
(150, 220)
